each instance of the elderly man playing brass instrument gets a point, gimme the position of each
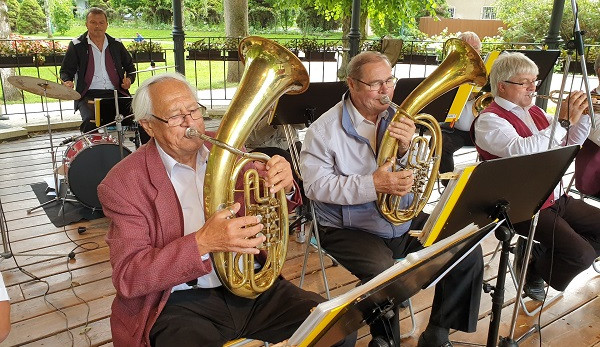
(341, 176)
(512, 125)
(168, 293)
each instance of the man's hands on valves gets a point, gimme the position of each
(396, 182)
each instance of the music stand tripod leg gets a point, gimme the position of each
(7, 252)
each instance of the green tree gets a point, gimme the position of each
(31, 18)
(523, 18)
(62, 15)
(13, 13)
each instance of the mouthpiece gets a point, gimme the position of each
(191, 133)
(533, 95)
(385, 100)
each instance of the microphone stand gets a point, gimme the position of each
(578, 43)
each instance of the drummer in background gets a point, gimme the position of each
(99, 63)
(587, 163)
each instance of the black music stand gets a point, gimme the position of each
(332, 320)
(495, 193)
(438, 108)
(517, 200)
(305, 108)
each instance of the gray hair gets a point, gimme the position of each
(510, 64)
(597, 65)
(142, 103)
(472, 39)
(353, 70)
(96, 10)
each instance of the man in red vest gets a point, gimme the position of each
(95, 65)
(568, 230)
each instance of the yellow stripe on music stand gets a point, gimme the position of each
(489, 61)
(97, 111)
(443, 217)
(462, 95)
(325, 322)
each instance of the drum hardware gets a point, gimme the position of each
(47, 89)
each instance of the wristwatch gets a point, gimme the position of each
(564, 123)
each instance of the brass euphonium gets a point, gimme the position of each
(461, 65)
(270, 71)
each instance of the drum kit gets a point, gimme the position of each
(89, 156)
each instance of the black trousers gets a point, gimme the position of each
(457, 295)
(571, 228)
(452, 140)
(211, 317)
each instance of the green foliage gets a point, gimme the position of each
(31, 18)
(205, 11)
(144, 46)
(310, 19)
(62, 15)
(157, 11)
(13, 13)
(261, 17)
(523, 18)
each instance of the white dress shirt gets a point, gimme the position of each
(101, 80)
(188, 183)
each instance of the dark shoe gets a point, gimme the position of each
(534, 284)
(378, 341)
(424, 343)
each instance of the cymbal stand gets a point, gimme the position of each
(58, 197)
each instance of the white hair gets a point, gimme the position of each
(142, 103)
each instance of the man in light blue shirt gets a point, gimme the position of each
(341, 176)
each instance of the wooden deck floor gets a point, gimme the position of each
(68, 301)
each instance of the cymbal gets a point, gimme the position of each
(42, 87)
(153, 69)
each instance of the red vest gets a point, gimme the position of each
(539, 119)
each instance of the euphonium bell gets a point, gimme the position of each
(461, 65)
(270, 71)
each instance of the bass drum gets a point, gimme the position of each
(86, 163)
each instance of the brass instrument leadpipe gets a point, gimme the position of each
(192, 133)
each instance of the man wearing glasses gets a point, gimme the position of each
(339, 168)
(168, 293)
(568, 230)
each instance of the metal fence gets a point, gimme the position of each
(207, 61)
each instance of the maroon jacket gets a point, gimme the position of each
(148, 252)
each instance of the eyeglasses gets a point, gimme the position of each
(373, 86)
(177, 120)
(526, 83)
